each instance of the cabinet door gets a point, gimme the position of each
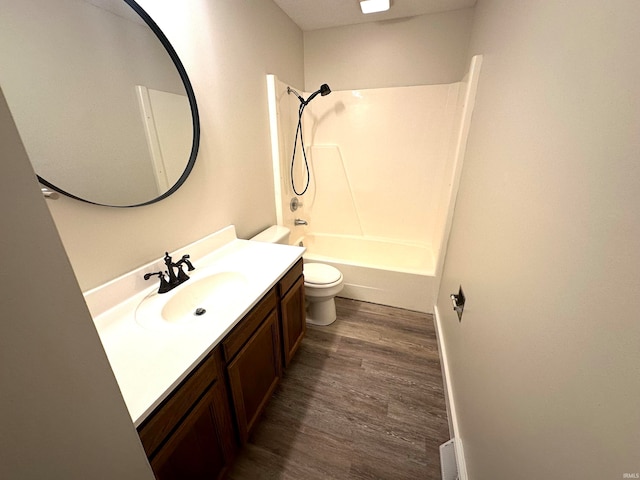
(255, 373)
(294, 323)
(198, 449)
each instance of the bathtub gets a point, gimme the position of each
(378, 271)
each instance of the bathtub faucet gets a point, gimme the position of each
(298, 221)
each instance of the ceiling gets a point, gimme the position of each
(316, 14)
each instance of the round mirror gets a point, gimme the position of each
(101, 100)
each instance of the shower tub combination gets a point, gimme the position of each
(388, 244)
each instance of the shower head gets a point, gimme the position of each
(324, 90)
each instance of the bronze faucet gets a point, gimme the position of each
(173, 279)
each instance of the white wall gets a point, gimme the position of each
(61, 411)
(227, 47)
(422, 50)
(545, 364)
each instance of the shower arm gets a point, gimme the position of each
(291, 90)
(324, 90)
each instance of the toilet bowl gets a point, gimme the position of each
(321, 282)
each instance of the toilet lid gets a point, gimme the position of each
(321, 274)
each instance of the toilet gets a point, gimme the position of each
(321, 282)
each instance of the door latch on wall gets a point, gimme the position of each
(458, 302)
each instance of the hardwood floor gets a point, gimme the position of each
(362, 399)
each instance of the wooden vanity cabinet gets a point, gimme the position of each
(293, 325)
(254, 365)
(191, 434)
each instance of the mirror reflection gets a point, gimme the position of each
(102, 110)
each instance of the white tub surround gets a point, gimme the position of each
(149, 362)
(385, 166)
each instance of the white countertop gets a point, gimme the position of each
(149, 362)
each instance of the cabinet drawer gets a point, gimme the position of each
(290, 278)
(243, 331)
(163, 420)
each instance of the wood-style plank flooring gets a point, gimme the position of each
(362, 399)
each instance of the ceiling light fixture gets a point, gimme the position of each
(374, 6)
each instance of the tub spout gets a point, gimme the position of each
(299, 221)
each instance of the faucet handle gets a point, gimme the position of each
(164, 285)
(295, 204)
(147, 276)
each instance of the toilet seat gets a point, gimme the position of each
(320, 275)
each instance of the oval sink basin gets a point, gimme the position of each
(195, 300)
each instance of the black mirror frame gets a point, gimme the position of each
(194, 117)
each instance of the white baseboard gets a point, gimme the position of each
(450, 400)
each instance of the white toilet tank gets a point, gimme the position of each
(273, 234)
